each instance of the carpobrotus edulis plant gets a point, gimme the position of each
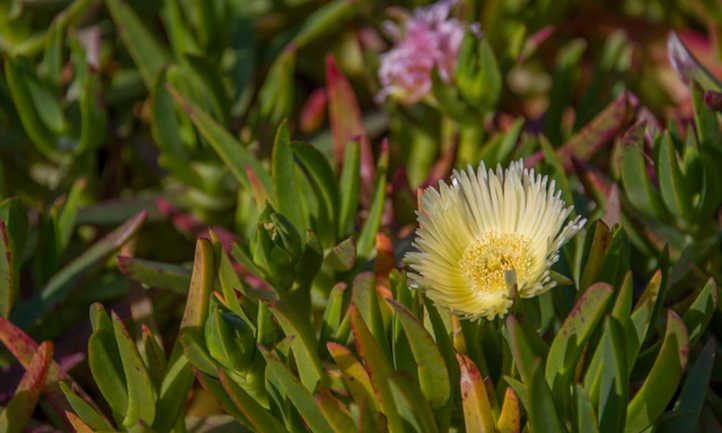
(487, 235)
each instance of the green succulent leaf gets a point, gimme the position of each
(571, 338)
(431, 368)
(661, 383)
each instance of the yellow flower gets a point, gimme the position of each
(485, 231)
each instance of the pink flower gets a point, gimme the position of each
(431, 39)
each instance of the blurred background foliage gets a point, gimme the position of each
(130, 128)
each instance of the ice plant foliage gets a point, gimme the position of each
(487, 234)
(430, 39)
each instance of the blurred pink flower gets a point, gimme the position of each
(430, 39)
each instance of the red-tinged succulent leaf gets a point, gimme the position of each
(314, 111)
(384, 262)
(18, 343)
(16, 414)
(36, 373)
(23, 349)
(534, 41)
(613, 120)
(191, 226)
(260, 194)
(687, 66)
(78, 424)
(510, 418)
(609, 123)
(613, 209)
(354, 376)
(478, 416)
(346, 122)
(8, 284)
(155, 274)
(344, 112)
(202, 278)
(335, 412)
(379, 369)
(595, 184)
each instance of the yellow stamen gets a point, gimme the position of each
(486, 260)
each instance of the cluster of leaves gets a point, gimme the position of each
(131, 130)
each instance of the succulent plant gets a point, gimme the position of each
(265, 244)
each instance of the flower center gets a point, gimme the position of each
(486, 260)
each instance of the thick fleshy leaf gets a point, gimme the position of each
(687, 66)
(349, 187)
(522, 350)
(149, 55)
(259, 418)
(196, 353)
(141, 392)
(90, 416)
(605, 126)
(290, 387)
(333, 313)
(637, 185)
(156, 274)
(672, 184)
(661, 383)
(365, 298)
(367, 238)
(303, 344)
(8, 276)
(236, 157)
(14, 416)
(686, 414)
(337, 415)
(430, 365)
(346, 122)
(586, 417)
(571, 338)
(354, 376)
(642, 316)
(510, 417)
(477, 74)
(478, 416)
(105, 365)
(284, 177)
(179, 375)
(65, 223)
(18, 78)
(342, 257)
(698, 315)
(325, 19)
(413, 408)
(78, 424)
(607, 378)
(541, 409)
(445, 344)
(379, 370)
(230, 285)
(57, 288)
